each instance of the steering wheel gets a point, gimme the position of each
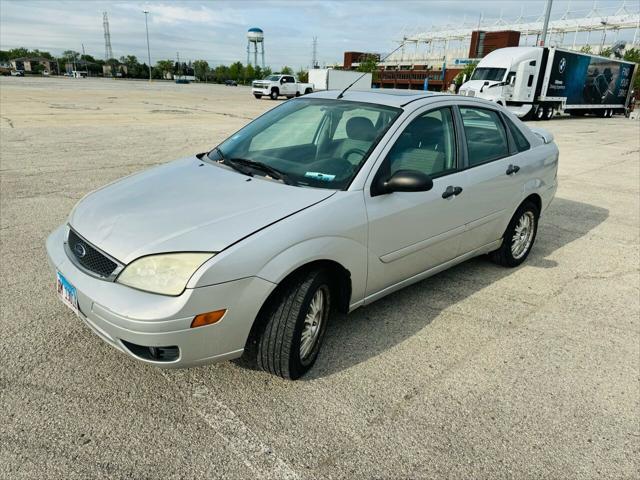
(351, 151)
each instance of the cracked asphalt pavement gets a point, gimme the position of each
(478, 372)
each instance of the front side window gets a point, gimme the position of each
(314, 142)
(485, 133)
(492, 74)
(426, 145)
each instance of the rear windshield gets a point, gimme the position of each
(492, 74)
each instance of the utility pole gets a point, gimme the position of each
(146, 24)
(314, 57)
(547, 14)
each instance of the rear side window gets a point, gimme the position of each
(522, 143)
(486, 136)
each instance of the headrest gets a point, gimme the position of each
(360, 128)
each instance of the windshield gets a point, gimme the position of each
(493, 74)
(273, 78)
(313, 142)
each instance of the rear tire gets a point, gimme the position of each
(295, 323)
(519, 236)
(308, 91)
(548, 113)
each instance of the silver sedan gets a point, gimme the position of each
(322, 204)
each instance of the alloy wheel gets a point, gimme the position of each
(313, 323)
(523, 235)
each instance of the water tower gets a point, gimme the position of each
(255, 37)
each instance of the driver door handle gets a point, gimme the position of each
(512, 169)
(451, 191)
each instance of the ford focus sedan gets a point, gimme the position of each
(322, 204)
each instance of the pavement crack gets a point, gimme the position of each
(8, 120)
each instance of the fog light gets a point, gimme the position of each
(208, 318)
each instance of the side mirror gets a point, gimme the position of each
(484, 85)
(512, 81)
(282, 80)
(403, 181)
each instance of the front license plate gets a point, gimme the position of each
(67, 292)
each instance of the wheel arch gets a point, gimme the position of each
(340, 290)
(533, 198)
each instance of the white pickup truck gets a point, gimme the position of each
(278, 85)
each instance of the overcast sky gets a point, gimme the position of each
(216, 30)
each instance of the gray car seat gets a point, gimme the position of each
(420, 147)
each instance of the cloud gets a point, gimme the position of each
(216, 31)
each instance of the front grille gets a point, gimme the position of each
(90, 258)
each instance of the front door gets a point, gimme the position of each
(411, 232)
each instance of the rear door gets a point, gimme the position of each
(495, 185)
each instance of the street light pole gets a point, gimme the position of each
(547, 14)
(146, 24)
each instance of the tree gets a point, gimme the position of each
(606, 52)
(286, 70)
(368, 63)
(236, 71)
(266, 71)
(201, 69)
(258, 73)
(165, 68)
(303, 75)
(633, 55)
(585, 49)
(249, 74)
(465, 74)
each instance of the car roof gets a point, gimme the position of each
(383, 96)
(398, 98)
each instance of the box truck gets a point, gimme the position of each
(536, 82)
(330, 79)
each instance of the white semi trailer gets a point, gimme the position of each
(330, 79)
(536, 82)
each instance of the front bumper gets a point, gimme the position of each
(260, 91)
(119, 314)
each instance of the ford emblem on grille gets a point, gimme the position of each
(80, 250)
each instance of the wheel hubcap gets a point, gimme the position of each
(523, 235)
(313, 323)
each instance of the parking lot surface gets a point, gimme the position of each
(478, 372)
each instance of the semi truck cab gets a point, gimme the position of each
(507, 76)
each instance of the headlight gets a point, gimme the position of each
(166, 274)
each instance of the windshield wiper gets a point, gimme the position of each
(269, 170)
(231, 163)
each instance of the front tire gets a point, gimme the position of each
(539, 113)
(273, 95)
(257, 95)
(295, 324)
(519, 236)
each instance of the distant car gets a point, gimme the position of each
(320, 204)
(231, 83)
(17, 73)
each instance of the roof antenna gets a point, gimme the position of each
(379, 61)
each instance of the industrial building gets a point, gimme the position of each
(432, 59)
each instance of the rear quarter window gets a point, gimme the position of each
(520, 140)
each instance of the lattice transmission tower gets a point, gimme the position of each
(108, 53)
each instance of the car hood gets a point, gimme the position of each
(186, 205)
